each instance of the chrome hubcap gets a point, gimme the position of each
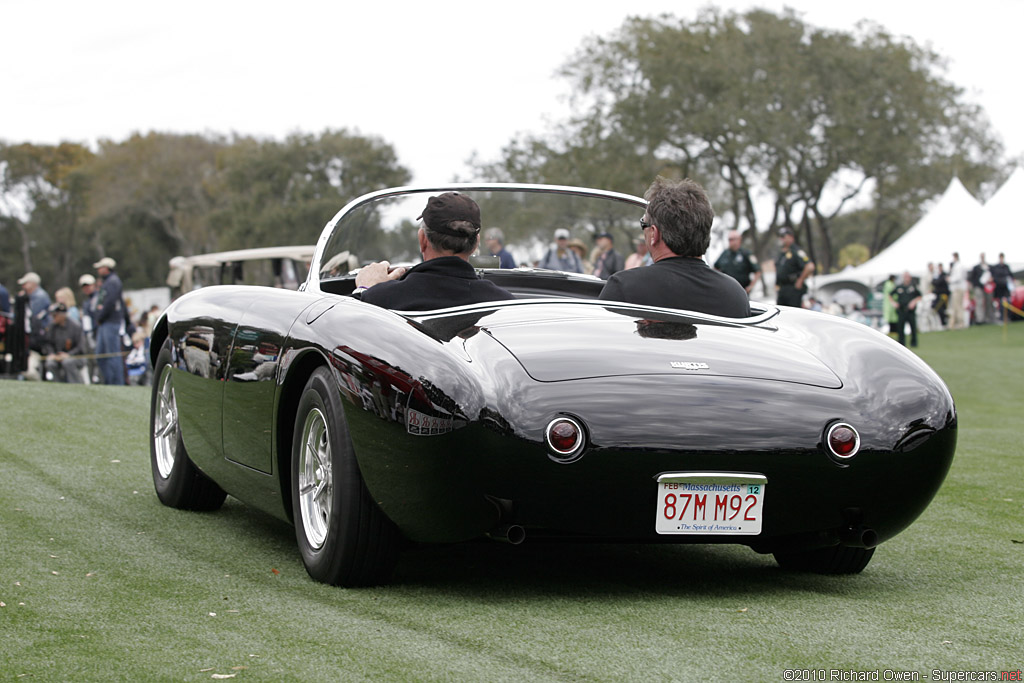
(316, 481)
(165, 425)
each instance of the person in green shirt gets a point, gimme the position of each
(792, 268)
(738, 263)
(889, 313)
(907, 297)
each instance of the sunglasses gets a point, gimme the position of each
(644, 224)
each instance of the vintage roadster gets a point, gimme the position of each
(554, 415)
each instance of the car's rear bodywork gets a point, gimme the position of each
(448, 411)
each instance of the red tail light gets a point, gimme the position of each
(842, 440)
(565, 438)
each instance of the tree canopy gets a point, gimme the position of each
(766, 111)
(154, 196)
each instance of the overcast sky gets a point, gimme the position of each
(438, 80)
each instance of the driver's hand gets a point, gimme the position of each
(375, 273)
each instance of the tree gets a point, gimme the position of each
(273, 192)
(766, 110)
(42, 198)
(151, 194)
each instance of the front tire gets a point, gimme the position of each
(838, 559)
(344, 538)
(178, 482)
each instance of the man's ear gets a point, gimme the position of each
(655, 236)
(421, 234)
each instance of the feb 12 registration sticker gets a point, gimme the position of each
(710, 503)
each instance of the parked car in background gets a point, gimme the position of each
(283, 267)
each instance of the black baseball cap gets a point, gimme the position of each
(445, 208)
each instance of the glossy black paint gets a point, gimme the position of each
(446, 412)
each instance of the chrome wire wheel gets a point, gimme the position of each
(316, 480)
(165, 426)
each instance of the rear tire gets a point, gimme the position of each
(178, 482)
(838, 559)
(344, 538)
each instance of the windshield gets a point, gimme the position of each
(384, 228)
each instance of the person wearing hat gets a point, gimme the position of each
(494, 238)
(560, 256)
(608, 261)
(449, 235)
(39, 308)
(677, 228)
(109, 323)
(792, 268)
(63, 347)
(577, 245)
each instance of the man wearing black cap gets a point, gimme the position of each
(449, 235)
(792, 268)
(677, 228)
(63, 347)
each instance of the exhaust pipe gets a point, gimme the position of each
(508, 533)
(858, 537)
(855, 534)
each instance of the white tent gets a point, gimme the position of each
(1003, 225)
(955, 223)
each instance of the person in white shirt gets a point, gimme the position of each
(957, 279)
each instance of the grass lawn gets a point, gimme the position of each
(99, 581)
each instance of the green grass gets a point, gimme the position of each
(101, 582)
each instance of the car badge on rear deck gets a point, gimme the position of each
(688, 365)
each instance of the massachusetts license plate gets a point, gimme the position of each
(713, 503)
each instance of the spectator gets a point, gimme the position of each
(5, 322)
(5, 300)
(792, 268)
(65, 296)
(560, 256)
(957, 293)
(940, 288)
(889, 311)
(677, 228)
(1001, 277)
(63, 347)
(39, 309)
(980, 280)
(608, 261)
(137, 361)
(110, 313)
(576, 244)
(738, 263)
(494, 238)
(90, 293)
(639, 257)
(907, 297)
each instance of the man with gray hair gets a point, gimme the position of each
(494, 238)
(677, 228)
(449, 235)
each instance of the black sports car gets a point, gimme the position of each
(551, 416)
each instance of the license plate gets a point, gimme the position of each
(710, 503)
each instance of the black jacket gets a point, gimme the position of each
(680, 282)
(438, 283)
